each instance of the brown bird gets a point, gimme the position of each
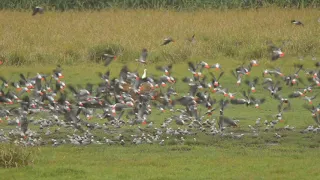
(167, 41)
(37, 10)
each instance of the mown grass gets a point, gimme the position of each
(77, 37)
(173, 162)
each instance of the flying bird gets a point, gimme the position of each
(143, 56)
(108, 59)
(298, 23)
(167, 41)
(37, 10)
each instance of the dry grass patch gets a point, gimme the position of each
(72, 37)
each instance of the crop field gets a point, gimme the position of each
(167, 141)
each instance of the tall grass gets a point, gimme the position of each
(14, 156)
(75, 37)
(155, 4)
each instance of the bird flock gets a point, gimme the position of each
(43, 109)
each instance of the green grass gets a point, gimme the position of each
(170, 162)
(75, 39)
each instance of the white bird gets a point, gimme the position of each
(144, 75)
(161, 143)
(277, 135)
(258, 121)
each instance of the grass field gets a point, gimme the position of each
(76, 40)
(77, 37)
(170, 162)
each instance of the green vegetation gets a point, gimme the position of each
(78, 39)
(154, 4)
(14, 156)
(170, 162)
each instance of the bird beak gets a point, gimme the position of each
(207, 66)
(281, 54)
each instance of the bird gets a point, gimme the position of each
(37, 10)
(276, 54)
(143, 56)
(192, 39)
(167, 40)
(144, 75)
(298, 23)
(108, 59)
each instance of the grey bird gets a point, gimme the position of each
(167, 41)
(37, 10)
